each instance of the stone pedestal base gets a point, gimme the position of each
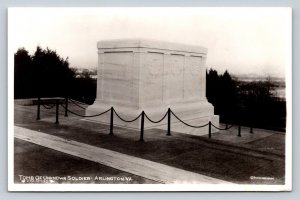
(193, 113)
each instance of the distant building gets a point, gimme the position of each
(86, 73)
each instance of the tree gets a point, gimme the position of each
(259, 106)
(52, 72)
(43, 74)
(212, 87)
(246, 103)
(228, 97)
(221, 91)
(47, 74)
(86, 74)
(23, 73)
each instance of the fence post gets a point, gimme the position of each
(209, 129)
(251, 129)
(57, 111)
(111, 121)
(38, 117)
(66, 107)
(142, 127)
(169, 122)
(239, 131)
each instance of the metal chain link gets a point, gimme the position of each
(76, 104)
(158, 121)
(187, 123)
(50, 107)
(222, 129)
(96, 115)
(125, 119)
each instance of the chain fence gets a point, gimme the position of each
(142, 115)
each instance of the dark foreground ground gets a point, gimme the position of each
(251, 159)
(38, 161)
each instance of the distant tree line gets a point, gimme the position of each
(247, 103)
(46, 74)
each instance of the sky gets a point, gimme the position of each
(240, 40)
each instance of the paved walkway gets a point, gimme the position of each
(141, 167)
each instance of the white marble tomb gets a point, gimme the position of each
(138, 74)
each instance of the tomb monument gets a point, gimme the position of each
(139, 74)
